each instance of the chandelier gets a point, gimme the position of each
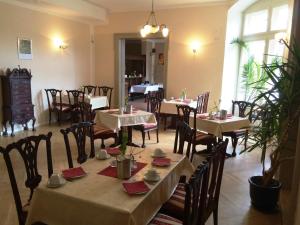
(152, 27)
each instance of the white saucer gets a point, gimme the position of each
(107, 157)
(113, 163)
(152, 179)
(49, 185)
(158, 156)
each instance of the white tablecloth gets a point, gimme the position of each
(144, 88)
(169, 106)
(95, 101)
(97, 199)
(217, 127)
(114, 120)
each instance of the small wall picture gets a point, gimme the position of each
(161, 59)
(25, 48)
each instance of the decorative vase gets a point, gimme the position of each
(123, 167)
(264, 198)
(128, 109)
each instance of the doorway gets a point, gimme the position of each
(141, 66)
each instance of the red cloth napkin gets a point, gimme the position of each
(161, 162)
(137, 187)
(73, 173)
(187, 100)
(112, 171)
(113, 151)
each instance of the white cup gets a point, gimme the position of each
(102, 154)
(158, 152)
(151, 173)
(55, 179)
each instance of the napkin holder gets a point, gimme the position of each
(123, 167)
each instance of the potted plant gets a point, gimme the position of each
(123, 162)
(279, 109)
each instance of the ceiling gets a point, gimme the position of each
(142, 5)
(95, 11)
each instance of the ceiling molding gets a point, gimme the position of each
(78, 11)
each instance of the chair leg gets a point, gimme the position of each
(234, 144)
(148, 135)
(50, 117)
(102, 143)
(165, 123)
(143, 137)
(215, 215)
(246, 139)
(157, 140)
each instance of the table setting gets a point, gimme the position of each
(92, 188)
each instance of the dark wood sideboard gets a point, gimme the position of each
(17, 101)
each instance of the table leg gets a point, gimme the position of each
(129, 132)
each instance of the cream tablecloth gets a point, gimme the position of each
(169, 106)
(144, 88)
(113, 120)
(95, 101)
(97, 199)
(217, 127)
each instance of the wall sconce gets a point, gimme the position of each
(195, 46)
(59, 43)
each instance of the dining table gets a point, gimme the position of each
(169, 106)
(99, 198)
(144, 88)
(118, 120)
(96, 102)
(217, 126)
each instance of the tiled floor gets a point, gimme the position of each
(234, 207)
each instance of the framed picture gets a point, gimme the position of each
(25, 48)
(161, 59)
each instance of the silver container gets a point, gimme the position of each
(223, 114)
(123, 167)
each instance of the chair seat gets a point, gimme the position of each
(101, 129)
(64, 108)
(204, 138)
(235, 133)
(175, 205)
(163, 219)
(150, 125)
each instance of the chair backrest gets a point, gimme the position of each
(184, 112)
(196, 190)
(106, 91)
(202, 102)
(184, 133)
(161, 92)
(215, 164)
(53, 94)
(75, 97)
(89, 89)
(86, 112)
(80, 132)
(244, 108)
(28, 149)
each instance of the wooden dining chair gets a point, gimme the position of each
(75, 97)
(202, 102)
(55, 104)
(154, 107)
(200, 137)
(193, 202)
(28, 149)
(80, 133)
(89, 89)
(245, 109)
(100, 131)
(106, 91)
(176, 205)
(184, 134)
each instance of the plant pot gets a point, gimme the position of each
(264, 198)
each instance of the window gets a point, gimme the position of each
(261, 22)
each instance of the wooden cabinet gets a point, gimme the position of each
(17, 102)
